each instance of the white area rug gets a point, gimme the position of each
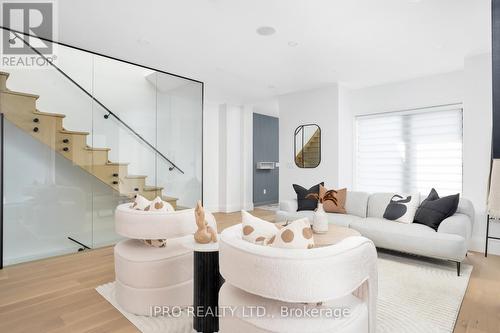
(415, 296)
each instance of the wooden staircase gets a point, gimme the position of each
(20, 109)
(309, 156)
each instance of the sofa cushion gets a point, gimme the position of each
(412, 238)
(434, 209)
(327, 197)
(256, 230)
(303, 203)
(296, 235)
(402, 208)
(342, 220)
(377, 203)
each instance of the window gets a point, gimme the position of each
(410, 151)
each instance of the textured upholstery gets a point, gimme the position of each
(170, 265)
(148, 276)
(139, 224)
(323, 274)
(343, 220)
(377, 203)
(450, 242)
(412, 238)
(356, 322)
(356, 203)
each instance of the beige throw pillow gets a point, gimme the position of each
(256, 230)
(333, 200)
(296, 235)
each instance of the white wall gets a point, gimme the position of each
(477, 144)
(319, 106)
(235, 158)
(211, 156)
(472, 87)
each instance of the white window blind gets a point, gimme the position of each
(410, 151)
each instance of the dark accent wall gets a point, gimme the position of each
(495, 19)
(265, 149)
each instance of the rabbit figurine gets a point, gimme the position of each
(205, 234)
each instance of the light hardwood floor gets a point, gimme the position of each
(57, 294)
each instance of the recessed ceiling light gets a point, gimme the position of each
(292, 43)
(271, 87)
(266, 31)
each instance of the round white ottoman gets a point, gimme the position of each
(148, 276)
(255, 314)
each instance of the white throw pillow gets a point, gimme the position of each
(160, 206)
(402, 208)
(257, 230)
(140, 203)
(296, 235)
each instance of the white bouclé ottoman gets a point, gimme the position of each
(146, 276)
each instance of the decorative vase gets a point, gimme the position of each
(320, 220)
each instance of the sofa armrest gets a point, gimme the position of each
(458, 224)
(289, 205)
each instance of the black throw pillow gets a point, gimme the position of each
(303, 203)
(433, 210)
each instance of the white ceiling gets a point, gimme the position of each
(355, 42)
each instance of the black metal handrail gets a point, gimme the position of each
(109, 112)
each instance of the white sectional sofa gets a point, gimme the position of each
(365, 214)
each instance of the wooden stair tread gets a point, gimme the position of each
(59, 115)
(20, 93)
(135, 176)
(65, 131)
(52, 135)
(117, 163)
(97, 149)
(152, 188)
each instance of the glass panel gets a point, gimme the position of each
(180, 138)
(107, 130)
(47, 199)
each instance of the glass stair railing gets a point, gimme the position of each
(114, 121)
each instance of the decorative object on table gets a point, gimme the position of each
(320, 219)
(296, 235)
(433, 210)
(333, 200)
(493, 201)
(256, 230)
(205, 234)
(402, 208)
(303, 202)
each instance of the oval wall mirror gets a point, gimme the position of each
(307, 146)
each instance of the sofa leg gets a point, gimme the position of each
(458, 268)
